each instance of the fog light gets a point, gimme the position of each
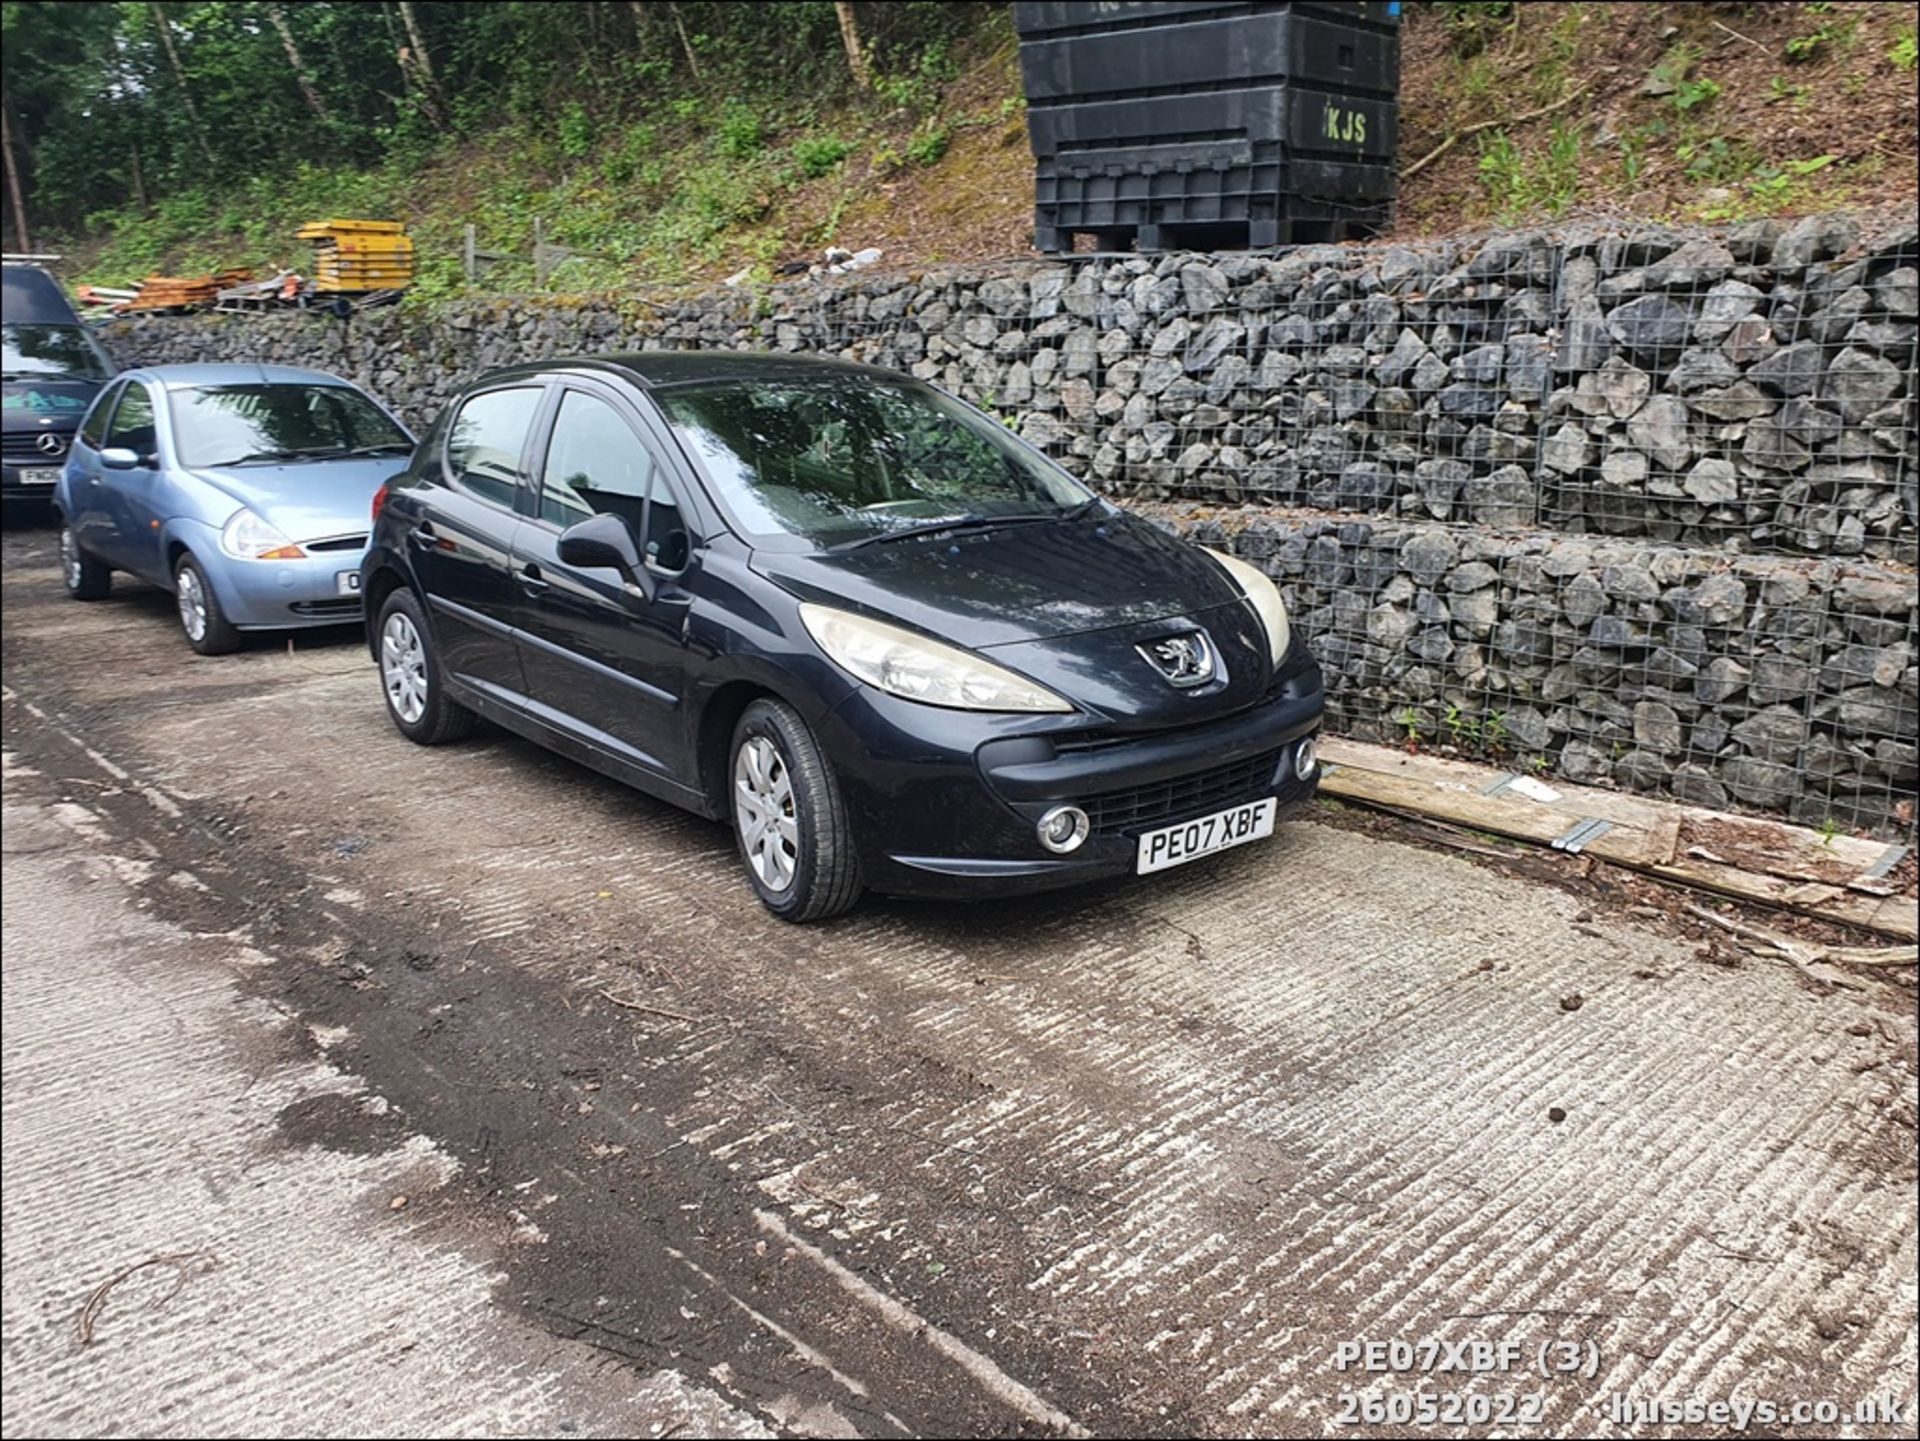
(1304, 759)
(1063, 828)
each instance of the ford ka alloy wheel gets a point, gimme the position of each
(763, 810)
(403, 668)
(193, 604)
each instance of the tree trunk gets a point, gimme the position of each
(693, 61)
(301, 75)
(417, 65)
(421, 58)
(180, 75)
(850, 37)
(13, 182)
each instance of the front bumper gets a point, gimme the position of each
(945, 803)
(14, 488)
(283, 594)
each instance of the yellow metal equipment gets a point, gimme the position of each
(359, 255)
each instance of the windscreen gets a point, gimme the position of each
(218, 425)
(848, 459)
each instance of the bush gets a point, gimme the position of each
(929, 143)
(575, 131)
(741, 135)
(818, 155)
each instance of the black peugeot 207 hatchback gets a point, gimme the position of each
(895, 646)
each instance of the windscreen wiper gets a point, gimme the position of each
(937, 527)
(382, 448)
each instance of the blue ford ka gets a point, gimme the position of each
(246, 490)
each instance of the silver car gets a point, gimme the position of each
(246, 490)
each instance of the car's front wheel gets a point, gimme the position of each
(789, 817)
(86, 578)
(206, 626)
(410, 677)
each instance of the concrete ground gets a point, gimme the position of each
(1140, 1158)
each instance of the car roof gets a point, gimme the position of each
(654, 369)
(178, 377)
(30, 296)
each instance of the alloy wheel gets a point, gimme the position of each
(763, 810)
(193, 603)
(403, 667)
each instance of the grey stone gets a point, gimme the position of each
(1583, 601)
(1718, 600)
(1712, 481)
(1390, 626)
(1641, 771)
(1899, 291)
(1749, 341)
(1582, 763)
(1629, 582)
(1660, 429)
(1585, 342)
(1859, 382)
(1626, 468)
(1473, 575)
(1773, 735)
(1696, 786)
(1721, 681)
(1814, 238)
(1623, 386)
(1778, 678)
(1566, 450)
(1792, 371)
(1760, 782)
(1204, 286)
(1428, 556)
(1725, 306)
(1696, 263)
(1481, 364)
(1504, 500)
(1652, 328)
(1743, 400)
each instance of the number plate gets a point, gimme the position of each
(346, 582)
(37, 475)
(1221, 831)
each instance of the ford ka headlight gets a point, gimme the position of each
(248, 537)
(910, 666)
(1265, 595)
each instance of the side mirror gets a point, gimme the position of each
(118, 457)
(603, 542)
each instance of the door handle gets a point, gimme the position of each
(531, 580)
(423, 537)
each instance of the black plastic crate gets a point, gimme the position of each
(1190, 124)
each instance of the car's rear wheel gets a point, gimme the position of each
(205, 624)
(86, 578)
(410, 677)
(789, 817)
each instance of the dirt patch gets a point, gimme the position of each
(1757, 846)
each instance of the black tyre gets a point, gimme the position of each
(205, 624)
(86, 578)
(789, 818)
(410, 677)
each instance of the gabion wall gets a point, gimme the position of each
(1628, 505)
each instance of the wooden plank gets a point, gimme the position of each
(1619, 807)
(1648, 850)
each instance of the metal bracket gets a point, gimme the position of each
(1581, 834)
(1498, 784)
(1890, 858)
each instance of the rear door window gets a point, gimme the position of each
(487, 438)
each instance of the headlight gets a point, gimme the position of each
(1265, 596)
(914, 668)
(247, 537)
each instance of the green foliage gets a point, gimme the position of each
(1904, 53)
(575, 130)
(1472, 24)
(929, 143)
(1520, 183)
(819, 155)
(741, 133)
(1771, 189)
(1409, 722)
(1674, 76)
(1779, 88)
(1834, 34)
